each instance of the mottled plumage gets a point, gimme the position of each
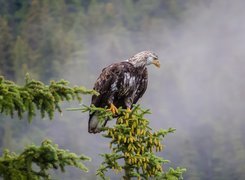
(121, 84)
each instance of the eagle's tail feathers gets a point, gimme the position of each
(94, 124)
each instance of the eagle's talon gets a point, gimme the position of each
(113, 109)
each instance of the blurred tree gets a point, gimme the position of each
(3, 8)
(6, 63)
(33, 34)
(22, 58)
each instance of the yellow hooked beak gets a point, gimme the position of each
(156, 63)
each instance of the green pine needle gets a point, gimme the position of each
(45, 157)
(35, 95)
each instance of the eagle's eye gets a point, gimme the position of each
(154, 57)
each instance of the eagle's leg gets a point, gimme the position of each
(128, 103)
(113, 108)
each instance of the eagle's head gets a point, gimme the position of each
(144, 58)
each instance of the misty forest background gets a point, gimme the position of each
(199, 89)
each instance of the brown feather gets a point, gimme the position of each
(121, 84)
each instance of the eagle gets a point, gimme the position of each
(121, 84)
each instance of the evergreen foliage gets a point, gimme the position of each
(36, 161)
(35, 31)
(131, 137)
(36, 95)
(53, 39)
(133, 145)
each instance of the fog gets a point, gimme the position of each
(199, 89)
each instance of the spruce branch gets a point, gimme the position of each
(45, 157)
(135, 144)
(35, 95)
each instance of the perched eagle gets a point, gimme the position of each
(121, 85)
